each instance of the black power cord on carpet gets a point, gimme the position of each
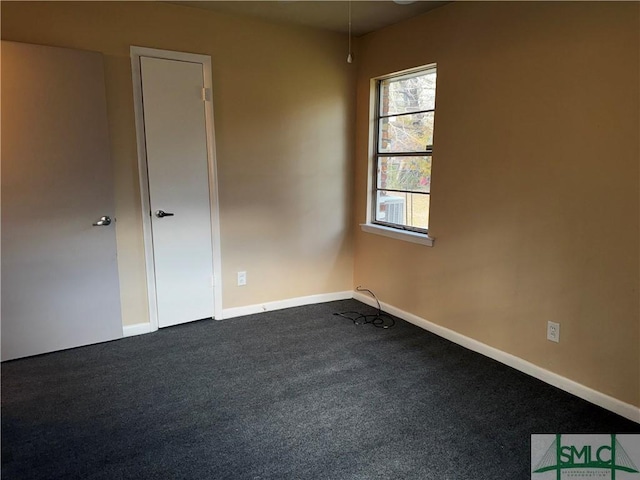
(379, 319)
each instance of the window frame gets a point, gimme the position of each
(373, 225)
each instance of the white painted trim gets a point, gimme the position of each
(371, 149)
(136, 329)
(407, 236)
(586, 393)
(144, 189)
(213, 190)
(288, 303)
(205, 60)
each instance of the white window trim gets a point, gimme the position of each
(369, 226)
(406, 235)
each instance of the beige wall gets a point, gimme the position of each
(283, 109)
(535, 183)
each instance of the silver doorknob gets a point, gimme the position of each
(103, 222)
(162, 213)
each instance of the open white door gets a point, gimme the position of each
(179, 188)
(60, 284)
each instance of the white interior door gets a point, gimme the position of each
(60, 284)
(179, 194)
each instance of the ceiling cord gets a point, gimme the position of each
(349, 56)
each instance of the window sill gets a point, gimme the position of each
(412, 237)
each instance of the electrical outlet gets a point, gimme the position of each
(242, 278)
(553, 332)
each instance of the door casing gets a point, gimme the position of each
(205, 61)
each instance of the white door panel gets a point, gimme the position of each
(60, 284)
(177, 164)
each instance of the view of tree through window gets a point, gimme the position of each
(404, 123)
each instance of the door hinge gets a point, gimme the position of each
(206, 94)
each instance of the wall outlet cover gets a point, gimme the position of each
(553, 332)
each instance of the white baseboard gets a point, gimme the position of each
(288, 303)
(598, 398)
(136, 329)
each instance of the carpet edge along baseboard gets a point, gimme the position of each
(603, 400)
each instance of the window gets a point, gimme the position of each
(404, 121)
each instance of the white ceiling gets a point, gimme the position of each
(367, 15)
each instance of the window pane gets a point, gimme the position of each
(408, 209)
(406, 133)
(408, 94)
(404, 173)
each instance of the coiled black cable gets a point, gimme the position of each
(379, 319)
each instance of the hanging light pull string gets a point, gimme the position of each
(350, 56)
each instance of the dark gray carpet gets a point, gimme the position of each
(292, 394)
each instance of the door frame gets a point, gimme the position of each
(205, 61)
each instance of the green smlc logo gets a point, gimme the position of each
(609, 456)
